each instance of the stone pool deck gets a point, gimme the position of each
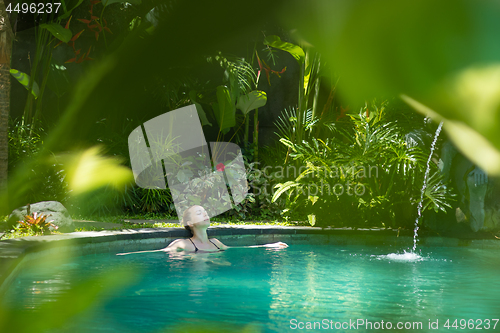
(80, 224)
(14, 253)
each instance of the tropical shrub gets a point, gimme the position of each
(35, 223)
(365, 173)
(257, 204)
(46, 178)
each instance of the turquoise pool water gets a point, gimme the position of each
(330, 288)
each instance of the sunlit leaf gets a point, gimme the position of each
(471, 143)
(251, 101)
(312, 219)
(313, 199)
(282, 188)
(296, 51)
(58, 31)
(90, 170)
(24, 79)
(474, 96)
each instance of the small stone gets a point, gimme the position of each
(58, 214)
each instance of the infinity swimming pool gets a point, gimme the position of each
(301, 288)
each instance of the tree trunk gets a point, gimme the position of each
(5, 53)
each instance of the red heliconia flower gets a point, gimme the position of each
(74, 38)
(87, 55)
(106, 26)
(267, 69)
(220, 167)
(94, 26)
(67, 23)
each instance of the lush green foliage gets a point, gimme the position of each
(218, 96)
(34, 224)
(380, 48)
(16, 233)
(383, 48)
(46, 177)
(367, 172)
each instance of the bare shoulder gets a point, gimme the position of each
(180, 244)
(178, 241)
(219, 243)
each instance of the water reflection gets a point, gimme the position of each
(308, 283)
(301, 286)
(330, 284)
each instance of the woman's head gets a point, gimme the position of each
(195, 216)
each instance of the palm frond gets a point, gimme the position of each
(282, 188)
(436, 194)
(237, 71)
(285, 124)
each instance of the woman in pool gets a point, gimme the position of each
(196, 220)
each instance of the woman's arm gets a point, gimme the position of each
(122, 254)
(176, 245)
(277, 245)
